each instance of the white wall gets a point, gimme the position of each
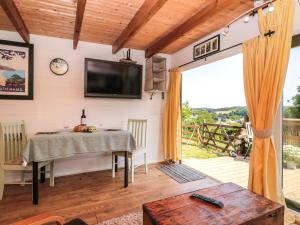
(58, 100)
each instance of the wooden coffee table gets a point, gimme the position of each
(240, 207)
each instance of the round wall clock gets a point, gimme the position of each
(59, 66)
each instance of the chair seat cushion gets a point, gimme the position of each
(17, 161)
(139, 150)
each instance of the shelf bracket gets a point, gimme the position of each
(151, 96)
(153, 93)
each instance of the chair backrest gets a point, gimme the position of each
(12, 140)
(138, 129)
(249, 130)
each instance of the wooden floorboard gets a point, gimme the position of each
(94, 196)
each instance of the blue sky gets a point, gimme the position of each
(292, 77)
(215, 85)
(220, 84)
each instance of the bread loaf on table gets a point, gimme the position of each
(80, 128)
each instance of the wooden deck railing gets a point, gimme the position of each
(224, 137)
(192, 133)
(291, 131)
(221, 136)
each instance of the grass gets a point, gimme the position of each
(199, 152)
(190, 151)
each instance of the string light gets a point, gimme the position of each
(271, 7)
(246, 19)
(258, 4)
(226, 31)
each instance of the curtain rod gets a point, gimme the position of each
(225, 49)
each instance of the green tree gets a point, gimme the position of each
(202, 116)
(240, 111)
(294, 110)
(186, 113)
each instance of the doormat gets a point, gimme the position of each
(180, 172)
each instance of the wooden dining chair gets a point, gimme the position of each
(13, 139)
(138, 129)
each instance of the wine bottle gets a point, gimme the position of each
(83, 118)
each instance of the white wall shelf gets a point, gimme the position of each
(156, 73)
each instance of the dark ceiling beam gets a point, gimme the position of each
(143, 15)
(78, 23)
(12, 12)
(204, 14)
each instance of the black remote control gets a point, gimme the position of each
(209, 200)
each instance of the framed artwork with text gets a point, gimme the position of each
(16, 70)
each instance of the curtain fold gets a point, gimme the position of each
(265, 65)
(172, 118)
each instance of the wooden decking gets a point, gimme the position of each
(226, 169)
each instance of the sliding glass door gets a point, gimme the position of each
(291, 130)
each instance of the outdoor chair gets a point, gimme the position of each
(249, 138)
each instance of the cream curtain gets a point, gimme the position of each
(265, 64)
(172, 118)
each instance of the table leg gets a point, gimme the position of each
(116, 163)
(43, 174)
(126, 170)
(35, 183)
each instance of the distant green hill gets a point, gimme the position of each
(231, 108)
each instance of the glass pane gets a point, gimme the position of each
(291, 131)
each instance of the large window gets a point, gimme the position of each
(291, 131)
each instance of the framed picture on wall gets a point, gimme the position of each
(16, 70)
(207, 47)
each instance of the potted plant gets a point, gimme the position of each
(291, 156)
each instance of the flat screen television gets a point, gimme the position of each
(107, 79)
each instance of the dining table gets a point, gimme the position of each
(47, 146)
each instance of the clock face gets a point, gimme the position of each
(59, 66)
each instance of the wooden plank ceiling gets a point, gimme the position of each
(116, 22)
